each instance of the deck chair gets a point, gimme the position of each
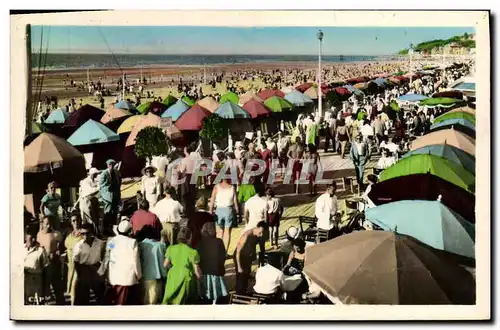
(322, 235)
(308, 228)
(348, 182)
(351, 206)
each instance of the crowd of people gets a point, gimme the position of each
(173, 250)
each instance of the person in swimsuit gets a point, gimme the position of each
(295, 153)
(312, 158)
(342, 136)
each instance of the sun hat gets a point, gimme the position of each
(292, 232)
(148, 167)
(124, 227)
(110, 161)
(93, 171)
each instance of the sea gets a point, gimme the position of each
(96, 61)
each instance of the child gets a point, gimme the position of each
(275, 210)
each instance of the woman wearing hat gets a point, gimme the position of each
(151, 187)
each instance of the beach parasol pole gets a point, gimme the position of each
(123, 87)
(320, 100)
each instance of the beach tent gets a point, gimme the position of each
(249, 95)
(430, 222)
(125, 105)
(461, 125)
(176, 110)
(169, 100)
(188, 100)
(209, 103)
(379, 267)
(455, 115)
(256, 109)
(229, 97)
(278, 104)
(447, 136)
(154, 107)
(425, 187)
(129, 124)
(449, 152)
(51, 158)
(92, 132)
(150, 120)
(115, 114)
(421, 164)
(192, 120)
(440, 101)
(298, 99)
(268, 93)
(230, 110)
(303, 87)
(57, 116)
(82, 115)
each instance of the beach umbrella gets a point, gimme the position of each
(256, 109)
(303, 87)
(466, 87)
(149, 120)
(229, 97)
(361, 85)
(381, 82)
(453, 154)
(312, 92)
(298, 99)
(357, 80)
(249, 95)
(176, 110)
(380, 267)
(381, 75)
(114, 114)
(82, 115)
(278, 104)
(353, 90)
(456, 115)
(342, 91)
(440, 101)
(451, 94)
(268, 93)
(129, 123)
(169, 100)
(188, 100)
(192, 120)
(230, 110)
(92, 132)
(154, 107)
(394, 80)
(461, 125)
(288, 89)
(447, 136)
(441, 167)
(424, 187)
(51, 158)
(464, 109)
(57, 116)
(430, 222)
(126, 105)
(209, 103)
(412, 98)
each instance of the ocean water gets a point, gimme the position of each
(90, 61)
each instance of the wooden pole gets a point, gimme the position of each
(29, 91)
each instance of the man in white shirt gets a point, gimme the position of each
(35, 261)
(123, 265)
(169, 212)
(89, 204)
(256, 209)
(326, 208)
(87, 257)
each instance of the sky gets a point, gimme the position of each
(234, 40)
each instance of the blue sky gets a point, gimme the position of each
(234, 40)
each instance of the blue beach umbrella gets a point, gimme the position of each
(453, 154)
(57, 116)
(297, 98)
(92, 132)
(454, 122)
(353, 90)
(381, 82)
(125, 105)
(229, 110)
(412, 98)
(176, 110)
(430, 222)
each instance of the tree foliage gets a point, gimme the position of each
(427, 46)
(150, 142)
(213, 128)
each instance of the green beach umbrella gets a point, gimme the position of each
(169, 100)
(440, 167)
(395, 106)
(229, 97)
(439, 101)
(400, 73)
(278, 104)
(455, 115)
(39, 128)
(362, 114)
(189, 101)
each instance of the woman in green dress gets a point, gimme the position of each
(70, 242)
(184, 274)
